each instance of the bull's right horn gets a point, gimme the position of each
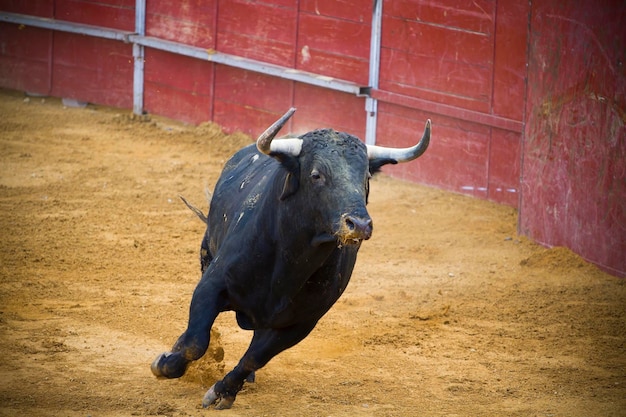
(401, 154)
(265, 142)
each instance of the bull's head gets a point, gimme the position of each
(333, 170)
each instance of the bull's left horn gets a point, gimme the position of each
(265, 142)
(401, 154)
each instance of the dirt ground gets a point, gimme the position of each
(449, 312)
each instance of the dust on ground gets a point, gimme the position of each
(449, 312)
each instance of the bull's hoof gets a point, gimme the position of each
(221, 403)
(154, 367)
(169, 365)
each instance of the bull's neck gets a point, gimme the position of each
(298, 227)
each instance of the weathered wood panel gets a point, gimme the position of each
(92, 69)
(25, 58)
(503, 184)
(191, 22)
(25, 52)
(115, 14)
(457, 159)
(475, 16)
(320, 108)
(178, 87)
(347, 10)
(449, 82)
(334, 47)
(40, 8)
(439, 51)
(262, 31)
(574, 166)
(458, 54)
(249, 102)
(509, 72)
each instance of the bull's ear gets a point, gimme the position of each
(377, 163)
(290, 187)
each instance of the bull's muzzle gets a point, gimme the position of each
(354, 229)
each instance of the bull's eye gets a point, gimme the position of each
(317, 177)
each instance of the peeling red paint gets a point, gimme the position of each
(574, 186)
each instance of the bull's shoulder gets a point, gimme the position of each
(248, 177)
(239, 156)
(247, 165)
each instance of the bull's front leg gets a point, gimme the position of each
(265, 344)
(209, 299)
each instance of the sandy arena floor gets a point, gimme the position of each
(449, 312)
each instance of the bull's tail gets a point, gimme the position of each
(196, 210)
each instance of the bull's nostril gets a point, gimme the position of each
(357, 227)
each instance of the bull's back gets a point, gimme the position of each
(245, 181)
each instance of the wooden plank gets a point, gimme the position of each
(350, 10)
(253, 90)
(292, 4)
(475, 16)
(488, 165)
(321, 108)
(239, 117)
(163, 99)
(456, 160)
(114, 14)
(509, 73)
(447, 110)
(25, 58)
(178, 87)
(436, 62)
(24, 75)
(257, 30)
(92, 69)
(259, 48)
(342, 67)
(334, 35)
(334, 47)
(441, 43)
(257, 20)
(237, 107)
(25, 42)
(177, 72)
(40, 8)
(249, 102)
(504, 167)
(452, 83)
(191, 22)
(198, 11)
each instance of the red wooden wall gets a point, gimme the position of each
(320, 36)
(446, 52)
(574, 187)
(513, 88)
(469, 55)
(443, 52)
(61, 64)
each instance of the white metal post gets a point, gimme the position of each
(138, 55)
(371, 104)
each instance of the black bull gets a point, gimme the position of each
(285, 224)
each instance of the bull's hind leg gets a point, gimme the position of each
(209, 299)
(265, 344)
